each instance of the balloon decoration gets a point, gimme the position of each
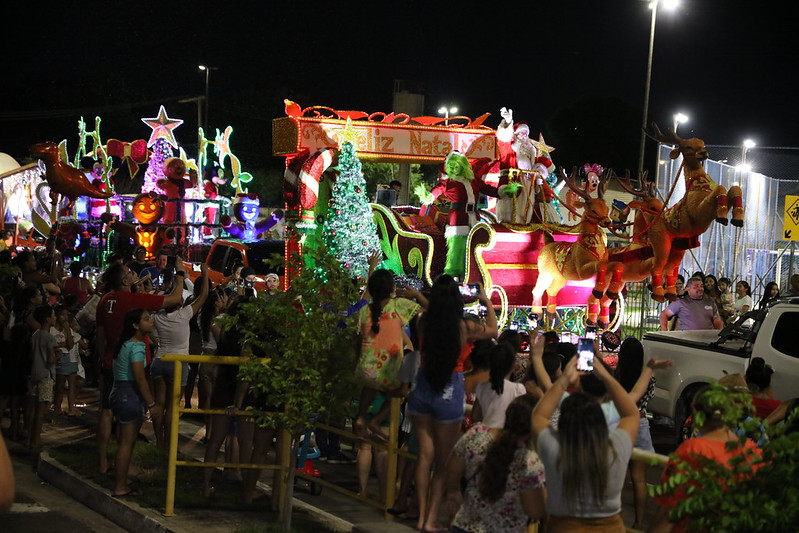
(64, 179)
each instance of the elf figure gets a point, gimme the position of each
(247, 208)
(462, 189)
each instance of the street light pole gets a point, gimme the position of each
(446, 111)
(679, 118)
(207, 70)
(654, 7)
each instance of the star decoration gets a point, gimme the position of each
(543, 148)
(162, 126)
(347, 134)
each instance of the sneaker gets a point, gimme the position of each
(339, 458)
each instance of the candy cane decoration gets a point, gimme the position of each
(311, 175)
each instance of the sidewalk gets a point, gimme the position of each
(330, 507)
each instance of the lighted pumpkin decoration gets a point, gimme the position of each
(148, 208)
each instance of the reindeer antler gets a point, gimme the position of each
(646, 190)
(670, 137)
(571, 182)
(604, 180)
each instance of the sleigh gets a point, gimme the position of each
(503, 257)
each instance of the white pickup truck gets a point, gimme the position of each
(701, 356)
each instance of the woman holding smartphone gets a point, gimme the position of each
(436, 402)
(584, 461)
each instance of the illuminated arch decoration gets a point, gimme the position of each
(395, 137)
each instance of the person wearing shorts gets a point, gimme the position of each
(42, 376)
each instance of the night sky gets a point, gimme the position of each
(729, 65)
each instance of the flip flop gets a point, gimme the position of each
(127, 494)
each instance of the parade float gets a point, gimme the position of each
(421, 242)
(111, 195)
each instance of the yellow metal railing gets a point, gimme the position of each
(284, 446)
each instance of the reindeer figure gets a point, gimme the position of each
(559, 262)
(704, 202)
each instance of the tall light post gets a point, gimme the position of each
(653, 5)
(679, 118)
(747, 144)
(207, 70)
(447, 111)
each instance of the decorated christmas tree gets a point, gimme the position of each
(155, 169)
(350, 232)
(162, 142)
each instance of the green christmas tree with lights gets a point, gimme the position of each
(350, 232)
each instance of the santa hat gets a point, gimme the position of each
(248, 198)
(521, 126)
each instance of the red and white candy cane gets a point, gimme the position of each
(291, 194)
(311, 175)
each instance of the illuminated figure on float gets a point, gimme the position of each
(462, 189)
(148, 208)
(247, 208)
(175, 185)
(518, 151)
(591, 176)
(211, 184)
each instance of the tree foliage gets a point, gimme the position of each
(309, 340)
(755, 492)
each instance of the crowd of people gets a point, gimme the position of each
(495, 446)
(707, 302)
(62, 335)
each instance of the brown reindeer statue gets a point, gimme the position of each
(679, 226)
(559, 262)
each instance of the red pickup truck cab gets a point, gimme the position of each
(225, 254)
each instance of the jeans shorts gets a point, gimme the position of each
(644, 440)
(107, 376)
(64, 366)
(126, 403)
(445, 407)
(166, 371)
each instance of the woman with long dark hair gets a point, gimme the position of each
(381, 326)
(770, 292)
(495, 395)
(436, 402)
(584, 461)
(504, 476)
(130, 395)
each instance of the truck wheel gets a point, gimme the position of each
(682, 410)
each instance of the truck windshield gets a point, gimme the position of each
(262, 255)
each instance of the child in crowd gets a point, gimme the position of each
(66, 370)
(726, 307)
(494, 396)
(42, 376)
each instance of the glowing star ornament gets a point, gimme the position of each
(347, 134)
(543, 148)
(162, 127)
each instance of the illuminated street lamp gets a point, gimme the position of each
(447, 111)
(207, 70)
(679, 118)
(747, 144)
(653, 5)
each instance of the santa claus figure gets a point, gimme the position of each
(517, 152)
(462, 189)
(247, 208)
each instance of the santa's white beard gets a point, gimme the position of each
(525, 154)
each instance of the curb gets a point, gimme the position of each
(128, 515)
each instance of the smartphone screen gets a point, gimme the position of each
(513, 326)
(565, 336)
(585, 355)
(590, 332)
(532, 320)
(474, 289)
(197, 267)
(465, 290)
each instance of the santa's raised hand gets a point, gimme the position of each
(506, 114)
